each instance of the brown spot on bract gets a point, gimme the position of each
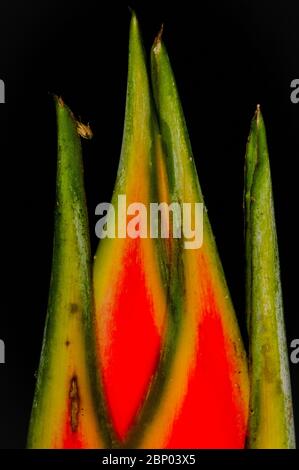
(67, 343)
(74, 307)
(74, 403)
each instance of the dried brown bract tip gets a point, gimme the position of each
(84, 130)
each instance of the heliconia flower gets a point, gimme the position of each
(203, 397)
(129, 272)
(64, 413)
(271, 414)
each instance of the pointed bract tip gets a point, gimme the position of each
(59, 100)
(134, 20)
(60, 104)
(158, 40)
(258, 115)
(160, 34)
(135, 33)
(257, 112)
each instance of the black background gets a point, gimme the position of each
(227, 57)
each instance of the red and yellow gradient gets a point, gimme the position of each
(159, 362)
(204, 403)
(128, 273)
